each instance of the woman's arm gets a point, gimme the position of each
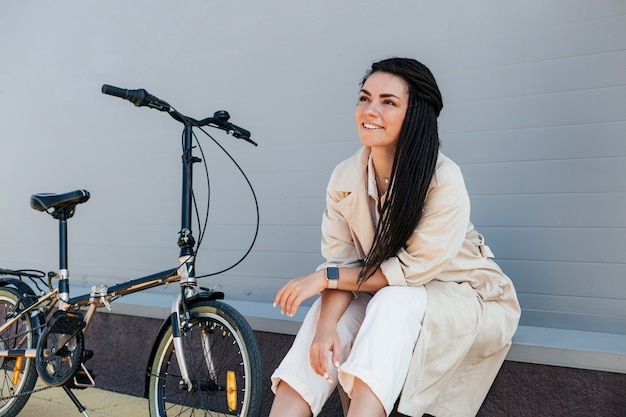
(440, 234)
(334, 305)
(290, 296)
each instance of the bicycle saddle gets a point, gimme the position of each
(55, 204)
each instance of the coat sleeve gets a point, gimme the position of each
(439, 235)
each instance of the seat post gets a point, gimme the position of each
(64, 286)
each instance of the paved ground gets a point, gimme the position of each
(54, 402)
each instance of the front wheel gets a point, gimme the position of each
(223, 362)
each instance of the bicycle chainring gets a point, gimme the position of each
(61, 348)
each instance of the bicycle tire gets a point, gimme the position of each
(234, 348)
(20, 335)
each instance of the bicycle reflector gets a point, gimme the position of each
(231, 390)
(17, 369)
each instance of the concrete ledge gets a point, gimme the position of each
(537, 345)
(569, 348)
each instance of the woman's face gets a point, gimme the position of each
(383, 102)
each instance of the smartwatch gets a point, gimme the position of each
(332, 275)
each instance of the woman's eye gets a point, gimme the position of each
(390, 102)
(363, 98)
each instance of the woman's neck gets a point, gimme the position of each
(383, 162)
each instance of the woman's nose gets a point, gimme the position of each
(371, 108)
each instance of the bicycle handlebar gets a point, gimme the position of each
(141, 97)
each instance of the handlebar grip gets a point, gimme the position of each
(138, 97)
(115, 91)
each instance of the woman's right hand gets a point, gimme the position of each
(292, 294)
(326, 341)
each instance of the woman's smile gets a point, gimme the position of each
(371, 126)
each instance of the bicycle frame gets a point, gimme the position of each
(102, 295)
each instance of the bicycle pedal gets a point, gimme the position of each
(88, 354)
(66, 322)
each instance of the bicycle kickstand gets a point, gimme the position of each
(77, 403)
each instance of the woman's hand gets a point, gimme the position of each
(299, 289)
(326, 340)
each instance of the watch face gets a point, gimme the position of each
(332, 272)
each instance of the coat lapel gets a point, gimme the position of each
(355, 206)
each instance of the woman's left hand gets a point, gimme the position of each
(290, 296)
(325, 342)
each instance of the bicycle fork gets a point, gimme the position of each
(188, 289)
(178, 302)
(181, 322)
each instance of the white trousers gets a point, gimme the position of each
(378, 334)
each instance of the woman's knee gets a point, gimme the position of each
(289, 402)
(409, 302)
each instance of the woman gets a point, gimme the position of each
(411, 305)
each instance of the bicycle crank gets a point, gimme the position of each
(61, 348)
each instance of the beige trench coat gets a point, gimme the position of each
(472, 309)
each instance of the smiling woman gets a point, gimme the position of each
(411, 300)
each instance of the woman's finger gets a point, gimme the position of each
(279, 296)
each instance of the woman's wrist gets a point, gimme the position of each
(320, 277)
(332, 277)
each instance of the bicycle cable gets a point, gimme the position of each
(141, 97)
(204, 226)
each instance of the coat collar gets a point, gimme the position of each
(353, 172)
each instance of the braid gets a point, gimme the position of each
(413, 166)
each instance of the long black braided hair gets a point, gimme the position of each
(414, 161)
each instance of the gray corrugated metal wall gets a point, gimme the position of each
(535, 114)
